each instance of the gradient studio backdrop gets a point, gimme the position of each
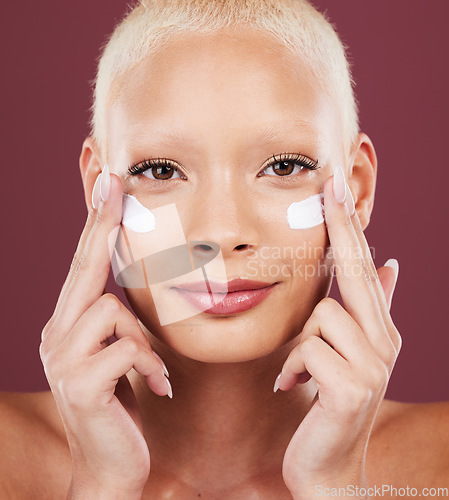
(398, 48)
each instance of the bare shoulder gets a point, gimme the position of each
(35, 458)
(410, 444)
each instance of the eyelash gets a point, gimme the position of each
(148, 164)
(299, 159)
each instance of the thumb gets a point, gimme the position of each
(388, 276)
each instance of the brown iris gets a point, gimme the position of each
(162, 172)
(283, 167)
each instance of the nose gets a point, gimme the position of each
(226, 217)
(203, 249)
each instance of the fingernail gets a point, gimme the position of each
(96, 192)
(276, 382)
(350, 201)
(393, 263)
(105, 183)
(162, 363)
(170, 391)
(339, 185)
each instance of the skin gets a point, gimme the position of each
(225, 434)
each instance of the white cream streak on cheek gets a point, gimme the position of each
(306, 213)
(135, 216)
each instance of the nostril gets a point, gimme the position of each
(241, 247)
(202, 252)
(203, 248)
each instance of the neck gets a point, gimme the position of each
(224, 417)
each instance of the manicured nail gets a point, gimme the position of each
(394, 264)
(276, 382)
(105, 183)
(339, 185)
(350, 201)
(170, 391)
(162, 363)
(96, 192)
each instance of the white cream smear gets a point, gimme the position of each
(306, 213)
(135, 216)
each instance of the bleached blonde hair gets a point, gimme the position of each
(303, 30)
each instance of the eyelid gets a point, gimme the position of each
(297, 158)
(148, 163)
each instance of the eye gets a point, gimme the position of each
(157, 170)
(288, 164)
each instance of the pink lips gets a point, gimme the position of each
(235, 296)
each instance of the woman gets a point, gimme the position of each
(227, 133)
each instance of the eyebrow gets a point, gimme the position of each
(170, 136)
(277, 132)
(273, 132)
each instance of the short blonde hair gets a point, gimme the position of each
(295, 23)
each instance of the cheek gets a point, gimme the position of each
(292, 255)
(293, 233)
(307, 213)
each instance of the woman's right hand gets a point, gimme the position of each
(87, 374)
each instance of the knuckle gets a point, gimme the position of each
(325, 307)
(379, 375)
(45, 346)
(52, 366)
(391, 354)
(43, 351)
(398, 343)
(109, 303)
(358, 397)
(390, 350)
(72, 390)
(48, 328)
(309, 344)
(129, 346)
(396, 338)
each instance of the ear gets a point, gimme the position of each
(362, 177)
(90, 167)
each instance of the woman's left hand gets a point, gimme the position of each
(350, 352)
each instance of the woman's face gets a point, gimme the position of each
(218, 108)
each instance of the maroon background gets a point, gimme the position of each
(399, 49)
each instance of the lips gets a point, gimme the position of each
(230, 297)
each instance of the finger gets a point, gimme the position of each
(355, 278)
(127, 398)
(372, 271)
(388, 276)
(316, 357)
(91, 217)
(374, 279)
(88, 278)
(117, 359)
(337, 328)
(106, 317)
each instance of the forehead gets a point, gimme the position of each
(219, 83)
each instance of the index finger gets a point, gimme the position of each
(355, 270)
(89, 271)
